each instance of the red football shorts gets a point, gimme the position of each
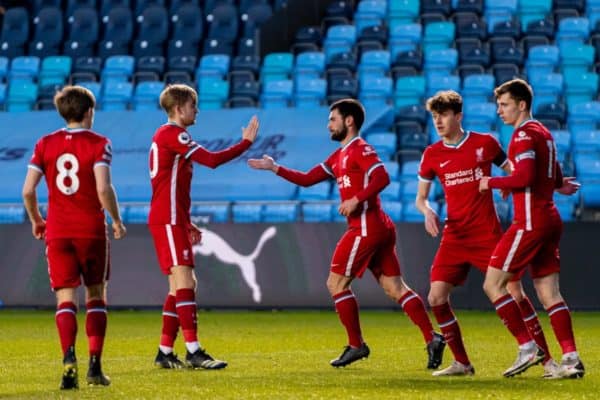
(71, 259)
(537, 249)
(377, 251)
(173, 246)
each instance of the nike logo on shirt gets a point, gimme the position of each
(443, 164)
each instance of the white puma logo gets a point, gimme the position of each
(215, 244)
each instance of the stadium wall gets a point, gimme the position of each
(274, 266)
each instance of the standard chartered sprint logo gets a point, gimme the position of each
(463, 176)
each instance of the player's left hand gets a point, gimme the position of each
(569, 186)
(348, 206)
(483, 184)
(195, 234)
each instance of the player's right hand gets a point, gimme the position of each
(251, 130)
(119, 230)
(432, 223)
(266, 162)
(38, 229)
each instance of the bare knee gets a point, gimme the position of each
(516, 291)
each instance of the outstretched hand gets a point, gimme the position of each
(266, 162)
(250, 131)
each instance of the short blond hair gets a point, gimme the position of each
(177, 95)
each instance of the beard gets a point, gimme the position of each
(339, 135)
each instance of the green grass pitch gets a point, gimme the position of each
(285, 355)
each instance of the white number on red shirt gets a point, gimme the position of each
(67, 165)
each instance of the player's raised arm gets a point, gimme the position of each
(108, 199)
(38, 225)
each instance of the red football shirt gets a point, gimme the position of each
(171, 165)
(533, 204)
(459, 168)
(351, 166)
(67, 159)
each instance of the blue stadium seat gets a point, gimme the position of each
(542, 27)
(116, 95)
(408, 170)
(247, 89)
(255, 16)
(369, 13)
(246, 213)
(55, 70)
(212, 93)
(402, 11)
(340, 87)
(533, 10)
(218, 46)
(309, 34)
(440, 62)
(437, 83)
(14, 33)
(472, 52)
(24, 68)
(572, 31)
(375, 92)
(245, 5)
(118, 33)
(21, 95)
(210, 5)
(118, 68)
(577, 58)
(310, 93)
(583, 116)
(277, 66)
(339, 39)
(409, 90)
(146, 95)
(542, 60)
(277, 94)
(247, 47)
(47, 33)
(391, 192)
(74, 5)
(2, 95)
(83, 33)
(586, 140)
(373, 34)
(478, 88)
(310, 64)
(213, 65)
(375, 63)
(280, 212)
(153, 30)
(416, 141)
(316, 212)
(187, 31)
(91, 67)
(505, 72)
(499, 11)
(393, 209)
(556, 111)
(438, 35)
(405, 37)
(187, 64)
(590, 194)
(562, 138)
(548, 88)
(149, 65)
(580, 88)
(223, 23)
(392, 168)
(505, 50)
(479, 116)
(527, 42)
(470, 25)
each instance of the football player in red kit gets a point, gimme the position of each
(76, 164)
(171, 159)
(533, 238)
(370, 241)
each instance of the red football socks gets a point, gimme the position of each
(347, 308)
